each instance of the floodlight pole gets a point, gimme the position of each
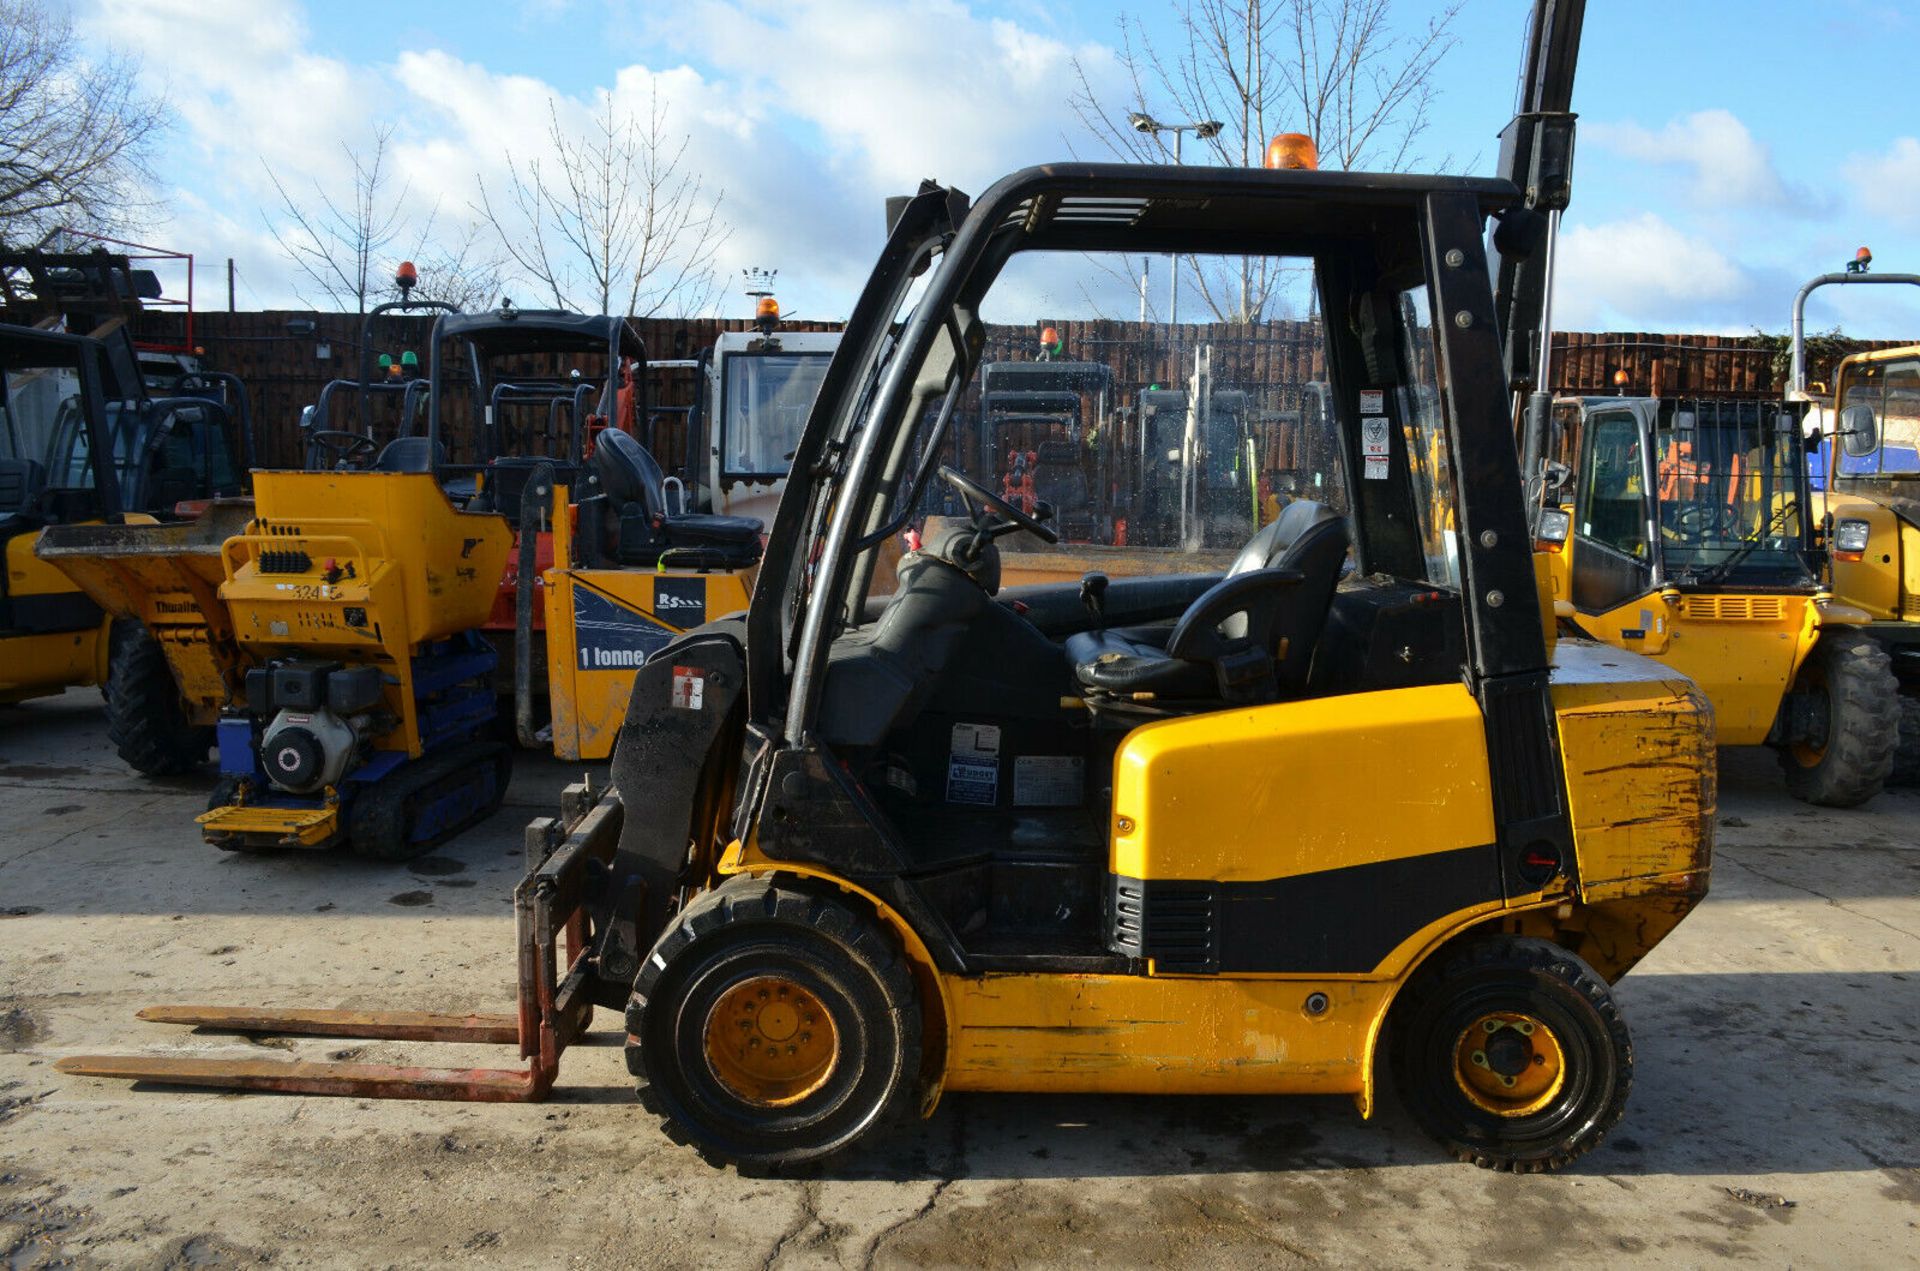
(1140, 121)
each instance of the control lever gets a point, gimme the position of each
(1093, 594)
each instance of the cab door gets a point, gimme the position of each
(1611, 545)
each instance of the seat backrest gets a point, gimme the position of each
(1317, 551)
(410, 454)
(628, 473)
(1273, 541)
(1059, 479)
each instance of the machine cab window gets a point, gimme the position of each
(1879, 420)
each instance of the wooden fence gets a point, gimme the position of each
(285, 358)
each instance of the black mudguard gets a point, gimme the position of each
(683, 725)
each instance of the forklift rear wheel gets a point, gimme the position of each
(771, 1027)
(1848, 761)
(146, 720)
(1512, 1054)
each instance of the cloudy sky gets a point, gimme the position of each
(1727, 150)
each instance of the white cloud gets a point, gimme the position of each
(807, 115)
(1888, 184)
(1726, 166)
(1643, 273)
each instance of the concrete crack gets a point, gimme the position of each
(808, 1217)
(1802, 887)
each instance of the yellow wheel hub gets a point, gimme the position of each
(1509, 1064)
(770, 1042)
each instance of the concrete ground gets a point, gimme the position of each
(1775, 1115)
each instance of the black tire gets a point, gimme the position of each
(1850, 764)
(750, 930)
(1906, 754)
(146, 719)
(1512, 975)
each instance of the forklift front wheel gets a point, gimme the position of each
(771, 1027)
(1512, 1054)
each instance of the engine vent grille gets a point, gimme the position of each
(1174, 923)
(1733, 608)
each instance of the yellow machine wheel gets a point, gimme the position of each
(1511, 1053)
(771, 1026)
(769, 1042)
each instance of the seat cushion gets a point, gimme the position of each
(695, 530)
(1085, 647)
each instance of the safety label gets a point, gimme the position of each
(1376, 468)
(689, 688)
(976, 741)
(1373, 437)
(973, 781)
(1047, 781)
(1373, 401)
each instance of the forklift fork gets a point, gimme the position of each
(566, 858)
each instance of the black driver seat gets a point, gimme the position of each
(645, 533)
(1248, 638)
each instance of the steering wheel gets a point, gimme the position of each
(1016, 519)
(1697, 522)
(337, 446)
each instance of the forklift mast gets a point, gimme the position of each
(1536, 154)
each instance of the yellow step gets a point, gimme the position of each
(289, 827)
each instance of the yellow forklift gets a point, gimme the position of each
(1237, 832)
(1689, 537)
(1241, 831)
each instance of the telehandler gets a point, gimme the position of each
(1690, 538)
(1872, 492)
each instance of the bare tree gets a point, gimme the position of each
(1336, 70)
(75, 133)
(614, 217)
(337, 244)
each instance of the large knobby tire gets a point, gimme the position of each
(146, 718)
(1906, 755)
(1850, 765)
(770, 1027)
(1512, 1054)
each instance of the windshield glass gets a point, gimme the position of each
(1879, 420)
(765, 398)
(1155, 447)
(42, 403)
(1731, 488)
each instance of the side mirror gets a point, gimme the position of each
(1558, 475)
(1859, 431)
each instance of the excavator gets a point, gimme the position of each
(899, 830)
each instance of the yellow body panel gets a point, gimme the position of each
(1161, 1035)
(1268, 792)
(1883, 582)
(1742, 649)
(46, 662)
(590, 683)
(166, 576)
